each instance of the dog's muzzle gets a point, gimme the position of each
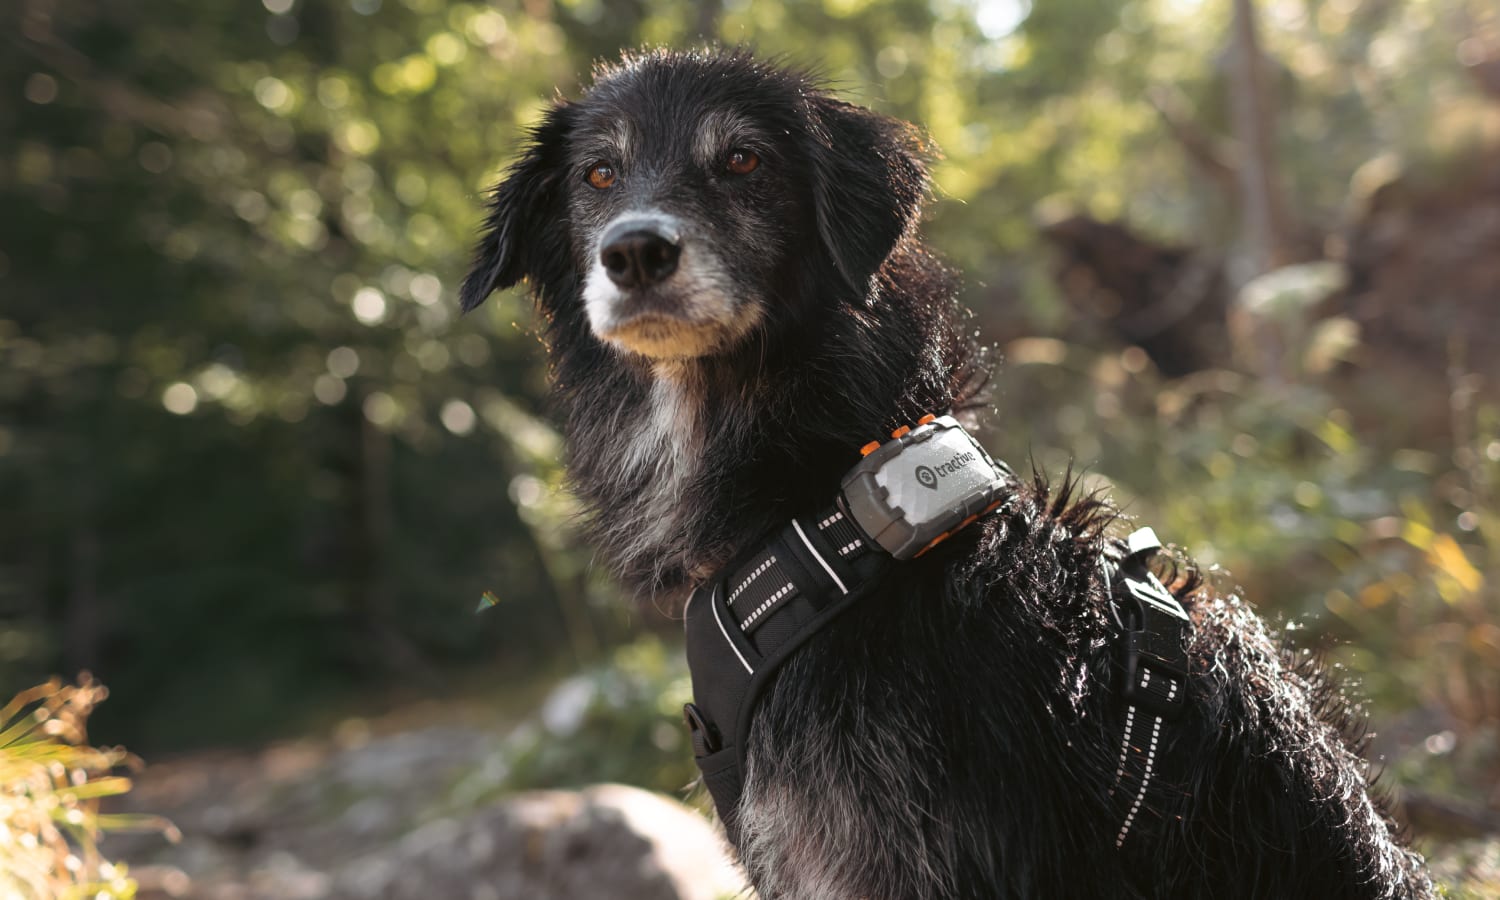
(654, 290)
(638, 253)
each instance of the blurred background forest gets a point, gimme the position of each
(1242, 262)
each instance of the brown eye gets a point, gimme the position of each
(742, 162)
(602, 175)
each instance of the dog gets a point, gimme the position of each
(734, 298)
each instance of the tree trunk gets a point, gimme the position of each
(371, 539)
(708, 19)
(1264, 235)
(82, 626)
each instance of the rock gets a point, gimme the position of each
(412, 814)
(605, 841)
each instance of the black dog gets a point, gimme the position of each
(735, 300)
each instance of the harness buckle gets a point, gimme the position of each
(705, 736)
(1155, 681)
(1155, 628)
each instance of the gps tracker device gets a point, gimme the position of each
(911, 492)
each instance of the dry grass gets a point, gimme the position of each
(51, 785)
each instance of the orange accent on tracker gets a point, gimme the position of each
(869, 448)
(960, 527)
(935, 541)
(904, 429)
(927, 418)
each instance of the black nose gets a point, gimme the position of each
(639, 258)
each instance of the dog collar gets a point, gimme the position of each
(904, 497)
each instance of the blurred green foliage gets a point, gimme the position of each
(620, 720)
(251, 462)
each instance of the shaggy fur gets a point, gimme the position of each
(955, 736)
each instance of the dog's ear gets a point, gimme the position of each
(526, 217)
(870, 178)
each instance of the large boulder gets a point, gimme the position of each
(605, 841)
(424, 813)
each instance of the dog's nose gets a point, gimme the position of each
(639, 257)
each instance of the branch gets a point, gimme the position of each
(1213, 157)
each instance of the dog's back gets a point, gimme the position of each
(735, 299)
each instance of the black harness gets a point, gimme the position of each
(746, 622)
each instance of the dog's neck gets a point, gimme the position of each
(699, 458)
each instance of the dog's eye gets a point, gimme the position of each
(602, 175)
(742, 162)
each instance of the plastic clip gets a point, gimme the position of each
(705, 737)
(1155, 630)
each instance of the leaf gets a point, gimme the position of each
(1448, 557)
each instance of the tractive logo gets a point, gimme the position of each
(929, 477)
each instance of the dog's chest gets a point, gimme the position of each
(660, 461)
(667, 449)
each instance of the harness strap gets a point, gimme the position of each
(1153, 637)
(768, 605)
(744, 624)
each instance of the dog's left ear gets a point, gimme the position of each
(870, 177)
(525, 225)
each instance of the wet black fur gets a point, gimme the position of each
(955, 736)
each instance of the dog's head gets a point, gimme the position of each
(688, 198)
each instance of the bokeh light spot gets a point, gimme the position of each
(447, 48)
(217, 381)
(891, 62)
(487, 28)
(358, 137)
(369, 306)
(458, 417)
(179, 398)
(155, 157)
(329, 389)
(41, 88)
(273, 94)
(426, 289)
(473, 350)
(343, 362)
(381, 409)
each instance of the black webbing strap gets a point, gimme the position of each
(743, 626)
(1153, 644)
(740, 628)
